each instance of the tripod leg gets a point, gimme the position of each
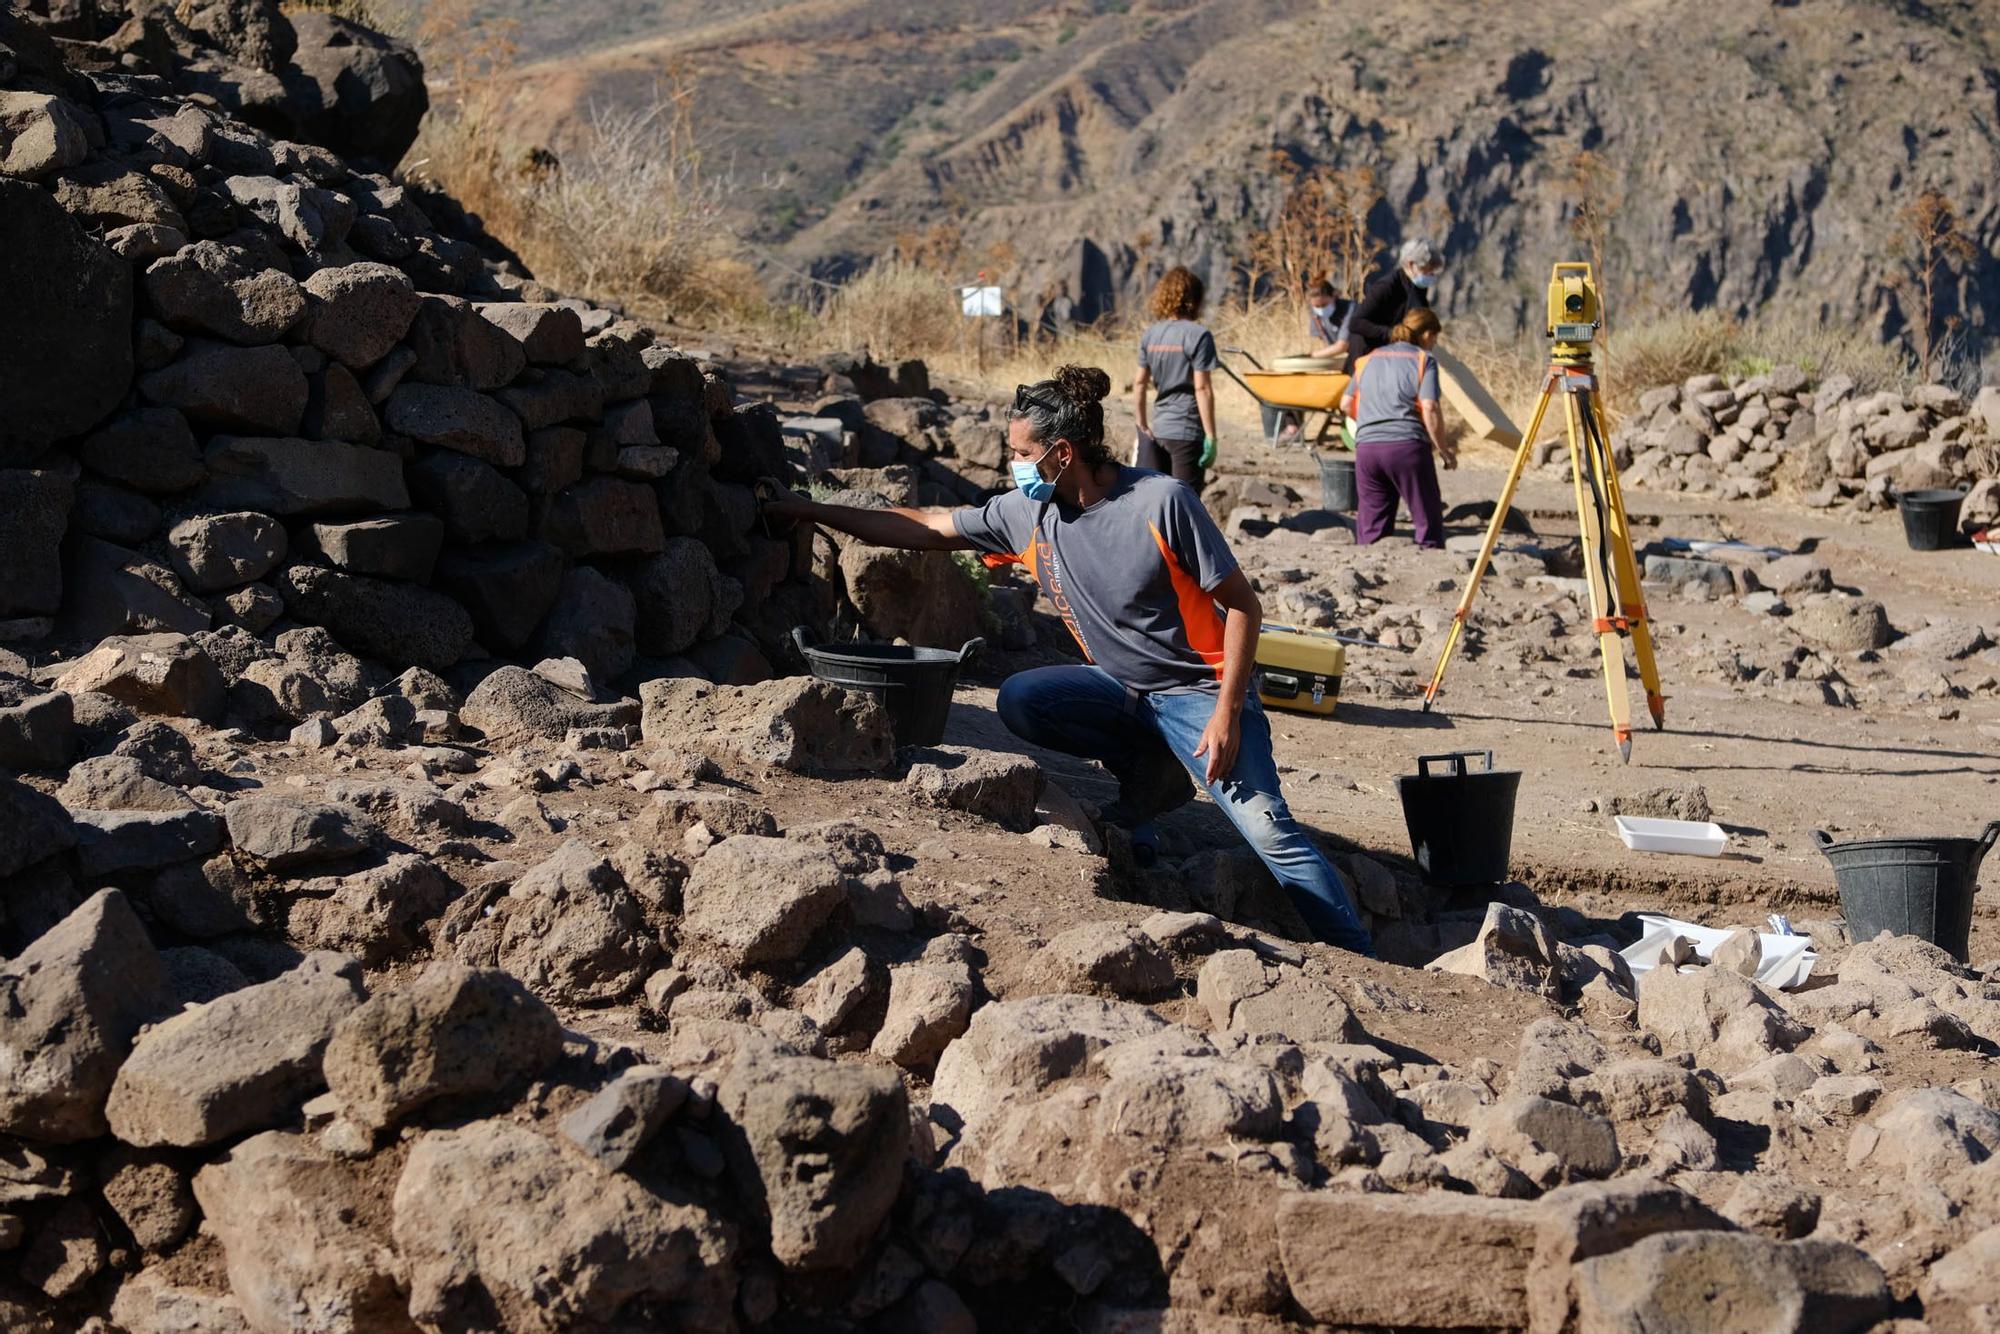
(1631, 594)
(1486, 548)
(1584, 461)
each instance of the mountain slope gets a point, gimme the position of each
(1759, 152)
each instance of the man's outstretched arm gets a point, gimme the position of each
(908, 529)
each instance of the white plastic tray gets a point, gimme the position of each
(1788, 960)
(1698, 838)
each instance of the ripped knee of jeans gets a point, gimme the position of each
(1265, 814)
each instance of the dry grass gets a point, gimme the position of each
(630, 216)
(1822, 350)
(1668, 350)
(897, 308)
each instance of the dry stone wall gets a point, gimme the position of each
(252, 383)
(1821, 442)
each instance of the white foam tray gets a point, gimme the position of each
(1697, 838)
(1788, 960)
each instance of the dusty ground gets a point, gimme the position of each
(1773, 770)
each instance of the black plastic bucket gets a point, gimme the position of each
(1461, 822)
(1336, 482)
(1909, 886)
(1930, 518)
(914, 684)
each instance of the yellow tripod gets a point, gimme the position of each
(1600, 506)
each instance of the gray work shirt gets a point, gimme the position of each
(1330, 327)
(1132, 576)
(1172, 351)
(1388, 384)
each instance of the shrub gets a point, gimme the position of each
(629, 215)
(895, 308)
(1669, 349)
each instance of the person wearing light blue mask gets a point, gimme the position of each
(1028, 479)
(1166, 620)
(1327, 313)
(1390, 298)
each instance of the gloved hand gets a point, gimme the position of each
(1207, 459)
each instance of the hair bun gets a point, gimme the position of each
(1083, 384)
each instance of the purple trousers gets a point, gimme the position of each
(1387, 470)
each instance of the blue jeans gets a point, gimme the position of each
(1082, 711)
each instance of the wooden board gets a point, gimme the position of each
(1483, 415)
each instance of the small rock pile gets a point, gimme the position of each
(1822, 442)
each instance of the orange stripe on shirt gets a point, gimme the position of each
(1031, 560)
(1202, 622)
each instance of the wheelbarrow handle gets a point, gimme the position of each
(1456, 760)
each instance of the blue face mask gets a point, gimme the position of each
(1028, 477)
(1424, 279)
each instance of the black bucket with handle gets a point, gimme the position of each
(1930, 518)
(1909, 886)
(1461, 821)
(1336, 482)
(914, 684)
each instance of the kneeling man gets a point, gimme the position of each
(1145, 582)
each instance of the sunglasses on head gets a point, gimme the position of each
(1035, 395)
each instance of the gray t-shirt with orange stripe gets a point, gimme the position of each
(1172, 351)
(1132, 576)
(1382, 399)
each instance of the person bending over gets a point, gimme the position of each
(1393, 404)
(1177, 359)
(1393, 296)
(1147, 585)
(1326, 339)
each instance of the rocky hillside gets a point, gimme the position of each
(249, 381)
(1758, 153)
(424, 907)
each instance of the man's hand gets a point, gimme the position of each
(1207, 459)
(1447, 457)
(1220, 741)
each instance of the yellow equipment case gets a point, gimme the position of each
(1299, 669)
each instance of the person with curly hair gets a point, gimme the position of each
(1177, 361)
(1167, 622)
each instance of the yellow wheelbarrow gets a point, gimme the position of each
(1291, 389)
